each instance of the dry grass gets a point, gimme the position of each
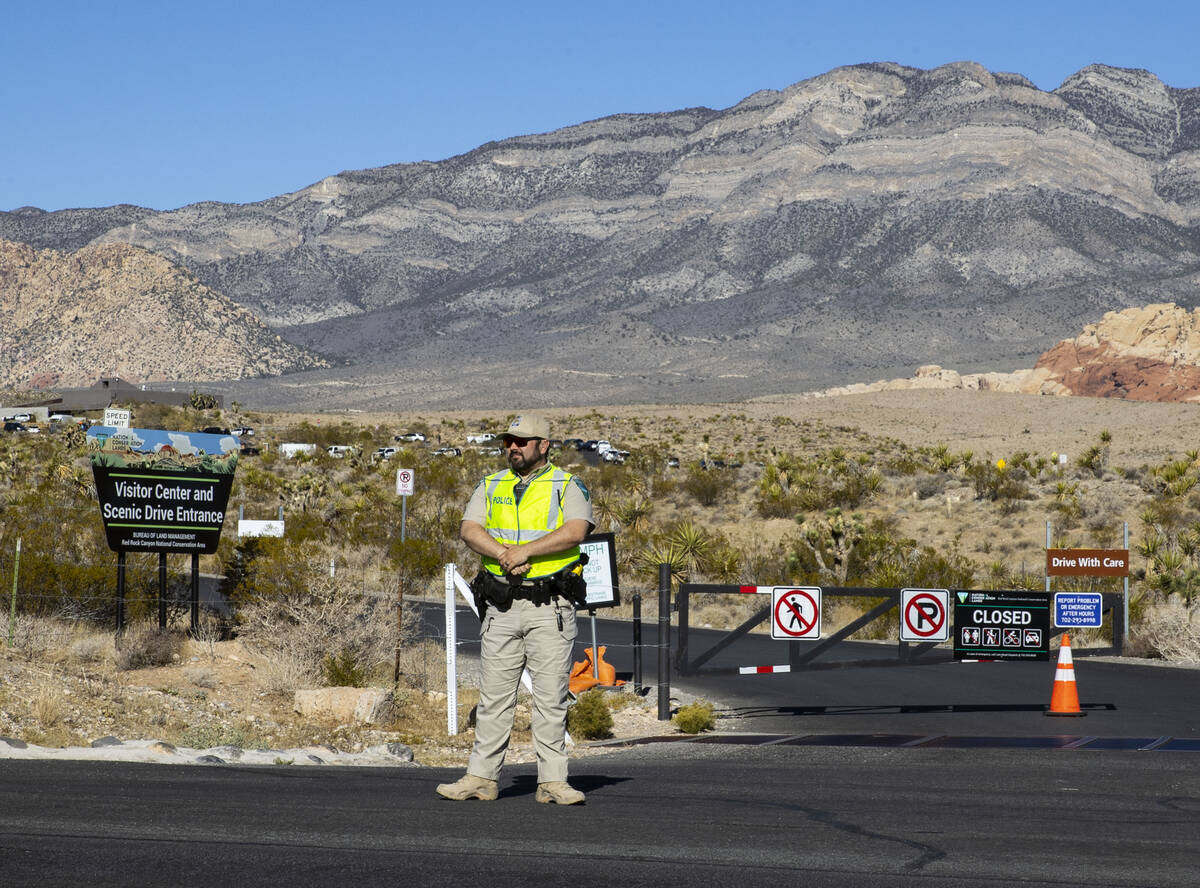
(1171, 630)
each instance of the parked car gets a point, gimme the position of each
(571, 442)
(13, 426)
(612, 455)
(486, 438)
(214, 430)
(672, 462)
(341, 451)
(244, 432)
(447, 451)
(22, 417)
(602, 447)
(409, 436)
(587, 445)
(62, 417)
(385, 453)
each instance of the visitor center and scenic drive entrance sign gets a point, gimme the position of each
(165, 492)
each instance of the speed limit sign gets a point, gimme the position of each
(404, 482)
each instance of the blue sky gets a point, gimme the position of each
(164, 103)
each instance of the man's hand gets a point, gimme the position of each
(514, 561)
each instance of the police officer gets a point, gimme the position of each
(526, 523)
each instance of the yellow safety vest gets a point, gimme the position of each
(539, 512)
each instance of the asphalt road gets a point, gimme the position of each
(666, 815)
(898, 776)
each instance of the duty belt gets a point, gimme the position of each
(533, 590)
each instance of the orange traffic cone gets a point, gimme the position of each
(1064, 700)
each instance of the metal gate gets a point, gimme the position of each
(805, 657)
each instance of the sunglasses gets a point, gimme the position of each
(510, 440)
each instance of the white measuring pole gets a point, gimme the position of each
(451, 655)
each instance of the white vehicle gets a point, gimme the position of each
(447, 451)
(244, 432)
(409, 436)
(21, 417)
(603, 447)
(341, 451)
(612, 455)
(385, 452)
(61, 417)
(487, 438)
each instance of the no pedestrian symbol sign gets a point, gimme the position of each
(923, 614)
(796, 612)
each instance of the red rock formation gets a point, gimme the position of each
(1142, 354)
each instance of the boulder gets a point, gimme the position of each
(367, 706)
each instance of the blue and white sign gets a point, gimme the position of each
(1078, 610)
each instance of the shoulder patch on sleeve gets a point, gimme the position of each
(578, 482)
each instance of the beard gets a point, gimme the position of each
(521, 463)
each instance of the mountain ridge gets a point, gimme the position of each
(855, 225)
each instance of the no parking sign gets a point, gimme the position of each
(924, 614)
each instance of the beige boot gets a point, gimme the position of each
(470, 787)
(558, 792)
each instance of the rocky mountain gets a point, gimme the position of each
(850, 227)
(119, 310)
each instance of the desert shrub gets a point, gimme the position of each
(342, 670)
(590, 717)
(692, 552)
(1168, 629)
(307, 616)
(1004, 484)
(694, 718)
(707, 486)
(207, 736)
(144, 646)
(930, 485)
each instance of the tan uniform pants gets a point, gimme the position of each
(524, 636)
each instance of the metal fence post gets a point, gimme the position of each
(664, 642)
(162, 590)
(637, 641)
(1120, 644)
(120, 591)
(194, 596)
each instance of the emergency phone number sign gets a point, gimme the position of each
(1001, 625)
